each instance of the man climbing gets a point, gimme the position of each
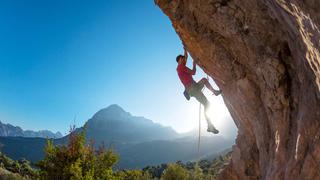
(193, 88)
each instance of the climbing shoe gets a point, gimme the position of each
(217, 92)
(212, 129)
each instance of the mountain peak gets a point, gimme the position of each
(112, 111)
(115, 124)
(115, 107)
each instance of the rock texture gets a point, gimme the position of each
(264, 55)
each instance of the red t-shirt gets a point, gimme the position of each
(185, 75)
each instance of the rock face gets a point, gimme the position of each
(264, 55)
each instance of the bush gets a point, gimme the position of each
(77, 160)
(8, 175)
(16, 169)
(175, 172)
(132, 175)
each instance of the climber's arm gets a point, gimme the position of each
(185, 53)
(193, 71)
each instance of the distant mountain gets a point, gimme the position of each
(14, 131)
(138, 141)
(42, 133)
(114, 125)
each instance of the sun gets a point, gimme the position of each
(217, 112)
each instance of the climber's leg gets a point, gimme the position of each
(204, 101)
(205, 82)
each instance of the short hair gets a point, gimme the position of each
(178, 57)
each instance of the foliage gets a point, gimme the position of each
(218, 164)
(197, 173)
(202, 170)
(76, 160)
(11, 169)
(175, 172)
(132, 175)
(155, 171)
(7, 175)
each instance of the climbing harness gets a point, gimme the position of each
(186, 94)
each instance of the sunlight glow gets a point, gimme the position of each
(219, 115)
(217, 111)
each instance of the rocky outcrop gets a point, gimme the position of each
(264, 55)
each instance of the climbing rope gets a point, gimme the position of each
(199, 135)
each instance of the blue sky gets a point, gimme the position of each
(64, 58)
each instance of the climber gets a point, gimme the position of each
(193, 88)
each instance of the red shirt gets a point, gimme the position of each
(185, 75)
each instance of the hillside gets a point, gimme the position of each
(29, 148)
(182, 149)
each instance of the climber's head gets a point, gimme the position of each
(181, 59)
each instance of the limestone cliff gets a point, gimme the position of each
(264, 55)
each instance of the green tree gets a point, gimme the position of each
(76, 160)
(132, 175)
(197, 173)
(175, 172)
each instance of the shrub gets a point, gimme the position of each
(16, 169)
(175, 172)
(132, 175)
(76, 160)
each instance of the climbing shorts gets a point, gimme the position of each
(195, 90)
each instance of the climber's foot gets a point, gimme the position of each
(212, 129)
(217, 92)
